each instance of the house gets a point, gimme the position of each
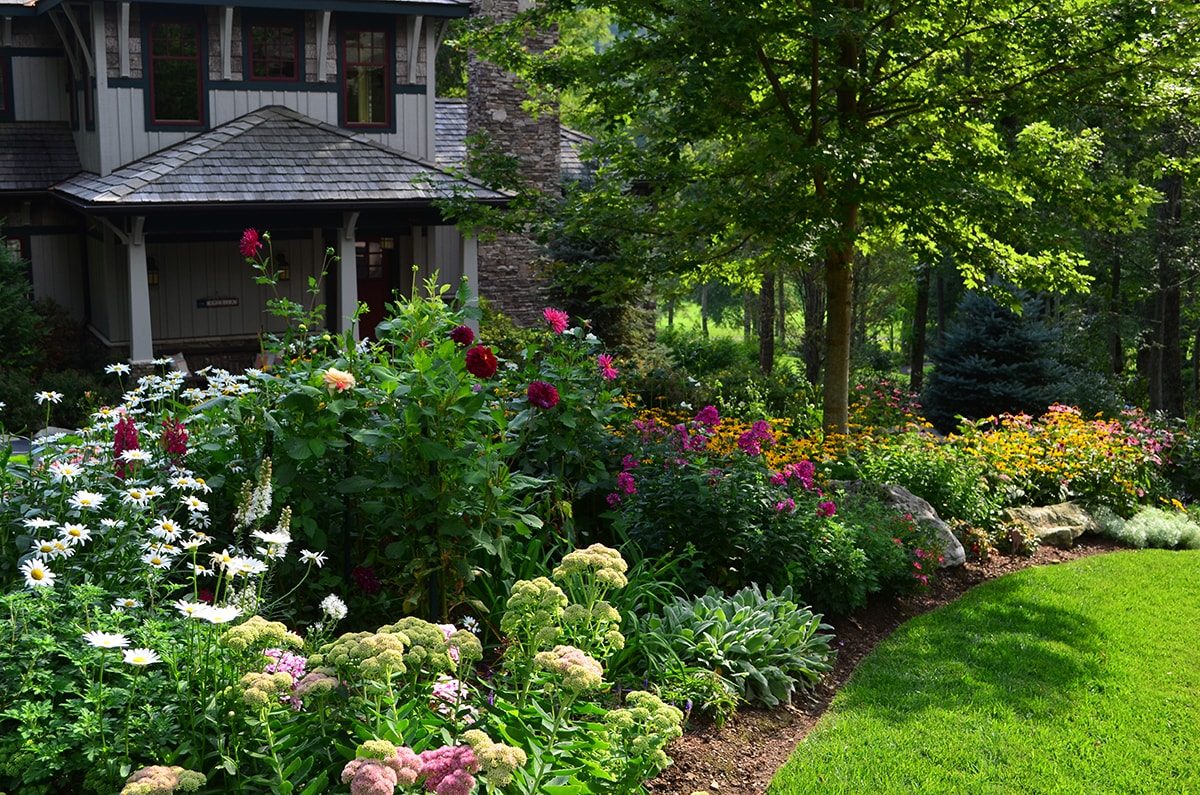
(138, 140)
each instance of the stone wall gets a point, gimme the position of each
(509, 265)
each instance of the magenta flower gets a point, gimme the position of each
(607, 371)
(174, 440)
(613, 500)
(542, 395)
(463, 335)
(557, 319)
(447, 770)
(826, 508)
(629, 462)
(251, 244)
(787, 505)
(125, 437)
(626, 483)
(709, 417)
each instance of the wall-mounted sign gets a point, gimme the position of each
(214, 303)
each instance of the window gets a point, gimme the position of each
(366, 95)
(368, 258)
(274, 52)
(175, 73)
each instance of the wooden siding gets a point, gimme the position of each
(40, 89)
(59, 272)
(127, 139)
(109, 287)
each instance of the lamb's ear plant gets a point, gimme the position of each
(766, 645)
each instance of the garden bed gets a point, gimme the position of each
(743, 757)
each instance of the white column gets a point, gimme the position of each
(141, 336)
(347, 274)
(470, 272)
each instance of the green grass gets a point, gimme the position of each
(1078, 678)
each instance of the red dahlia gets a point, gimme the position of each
(542, 395)
(251, 244)
(463, 335)
(481, 362)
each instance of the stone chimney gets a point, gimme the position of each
(509, 265)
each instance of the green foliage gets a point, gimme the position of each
(766, 646)
(1151, 527)
(993, 361)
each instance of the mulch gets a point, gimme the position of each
(741, 758)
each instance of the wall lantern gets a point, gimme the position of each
(151, 272)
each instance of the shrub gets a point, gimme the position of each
(1152, 527)
(766, 646)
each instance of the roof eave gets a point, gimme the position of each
(395, 7)
(134, 208)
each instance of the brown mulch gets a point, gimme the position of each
(742, 758)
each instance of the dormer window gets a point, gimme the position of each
(366, 81)
(175, 87)
(274, 52)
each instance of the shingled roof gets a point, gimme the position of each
(442, 8)
(451, 128)
(272, 155)
(35, 155)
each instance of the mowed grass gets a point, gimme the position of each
(1077, 678)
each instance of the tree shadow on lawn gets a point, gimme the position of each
(999, 651)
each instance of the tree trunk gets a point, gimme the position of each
(1116, 345)
(781, 311)
(1196, 372)
(916, 378)
(1170, 366)
(1149, 357)
(671, 313)
(704, 309)
(813, 343)
(766, 323)
(858, 309)
(941, 307)
(839, 295)
(747, 315)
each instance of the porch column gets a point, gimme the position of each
(347, 274)
(470, 272)
(141, 338)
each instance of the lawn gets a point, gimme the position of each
(1079, 678)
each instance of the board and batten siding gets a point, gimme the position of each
(59, 274)
(40, 89)
(126, 138)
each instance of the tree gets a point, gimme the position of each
(994, 360)
(796, 132)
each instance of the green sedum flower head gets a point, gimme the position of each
(427, 650)
(163, 780)
(258, 633)
(576, 670)
(534, 611)
(498, 761)
(263, 690)
(604, 562)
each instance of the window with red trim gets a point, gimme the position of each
(366, 97)
(274, 52)
(175, 96)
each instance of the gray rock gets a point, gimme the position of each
(905, 501)
(1057, 525)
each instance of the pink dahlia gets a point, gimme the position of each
(251, 244)
(605, 363)
(542, 395)
(557, 319)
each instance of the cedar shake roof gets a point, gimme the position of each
(273, 155)
(450, 125)
(442, 8)
(35, 155)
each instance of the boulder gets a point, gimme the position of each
(905, 501)
(1057, 525)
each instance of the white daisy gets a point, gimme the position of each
(111, 523)
(37, 574)
(75, 534)
(135, 496)
(125, 604)
(106, 640)
(162, 361)
(86, 499)
(120, 368)
(183, 482)
(246, 566)
(141, 657)
(61, 549)
(189, 609)
(157, 560)
(275, 537)
(470, 624)
(53, 397)
(131, 456)
(192, 544)
(166, 529)
(154, 492)
(63, 470)
(194, 504)
(201, 571)
(218, 615)
(43, 549)
(315, 558)
(222, 558)
(39, 523)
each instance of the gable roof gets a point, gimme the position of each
(35, 155)
(450, 125)
(272, 155)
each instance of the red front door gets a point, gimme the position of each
(375, 258)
